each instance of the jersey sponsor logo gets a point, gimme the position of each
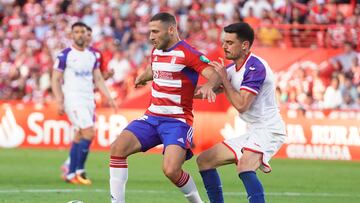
(203, 58)
(143, 118)
(11, 134)
(163, 75)
(83, 73)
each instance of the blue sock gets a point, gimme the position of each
(253, 187)
(74, 156)
(84, 145)
(213, 185)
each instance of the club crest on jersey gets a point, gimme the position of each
(155, 59)
(203, 58)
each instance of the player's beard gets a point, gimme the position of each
(163, 45)
(230, 56)
(80, 42)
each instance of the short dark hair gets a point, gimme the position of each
(78, 24)
(164, 17)
(243, 31)
(88, 29)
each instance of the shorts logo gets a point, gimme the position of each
(142, 118)
(251, 68)
(181, 140)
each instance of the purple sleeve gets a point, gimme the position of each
(254, 76)
(97, 57)
(61, 63)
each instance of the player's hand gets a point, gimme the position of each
(220, 68)
(207, 93)
(139, 82)
(60, 109)
(111, 73)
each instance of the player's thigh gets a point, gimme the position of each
(174, 158)
(249, 161)
(215, 156)
(125, 144)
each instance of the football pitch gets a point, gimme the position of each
(33, 175)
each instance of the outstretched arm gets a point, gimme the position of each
(146, 76)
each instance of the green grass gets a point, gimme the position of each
(31, 172)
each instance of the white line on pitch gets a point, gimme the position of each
(308, 194)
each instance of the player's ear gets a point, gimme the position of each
(245, 45)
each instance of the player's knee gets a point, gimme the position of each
(247, 164)
(203, 162)
(88, 133)
(117, 150)
(172, 172)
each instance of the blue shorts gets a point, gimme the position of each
(154, 130)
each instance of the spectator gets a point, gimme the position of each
(332, 96)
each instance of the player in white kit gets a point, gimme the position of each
(250, 87)
(75, 75)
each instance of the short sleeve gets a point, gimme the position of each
(60, 61)
(254, 77)
(195, 59)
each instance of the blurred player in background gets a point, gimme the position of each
(105, 73)
(250, 87)
(175, 67)
(75, 73)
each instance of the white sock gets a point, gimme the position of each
(187, 186)
(67, 161)
(118, 179)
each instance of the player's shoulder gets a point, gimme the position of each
(256, 62)
(64, 52)
(187, 48)
(95, 51)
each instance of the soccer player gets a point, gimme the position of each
(104, 72)
(174, 69)
(249, 85)
(75, 73)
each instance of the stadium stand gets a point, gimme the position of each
(32, 32)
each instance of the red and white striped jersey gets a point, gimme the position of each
(175, 76)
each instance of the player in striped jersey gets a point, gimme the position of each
(250, 87)
(175, 67)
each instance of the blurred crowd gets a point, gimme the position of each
(33, 32)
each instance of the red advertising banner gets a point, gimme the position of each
(331, 135)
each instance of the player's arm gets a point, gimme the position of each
(144, 77)
(107, 74)
(240, 99)
(217, 91)
(56, 80)
(100, 84)
(211, 86)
